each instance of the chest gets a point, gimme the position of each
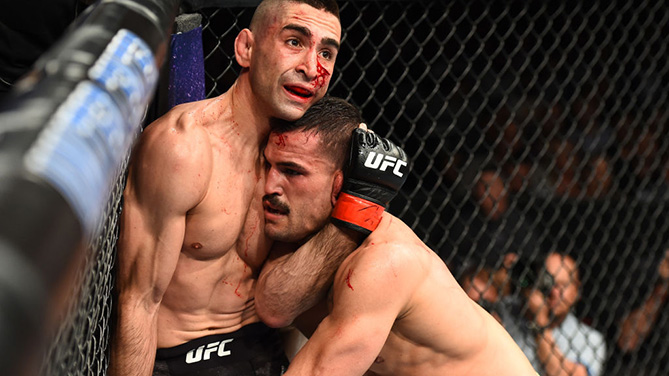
(230, 217)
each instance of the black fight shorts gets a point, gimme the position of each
(253, 350)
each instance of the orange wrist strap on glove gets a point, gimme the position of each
(376, 171)
(360, 214)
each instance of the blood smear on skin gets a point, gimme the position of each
(348, 279)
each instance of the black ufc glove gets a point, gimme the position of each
(376, 172)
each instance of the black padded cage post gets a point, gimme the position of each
(65, 132)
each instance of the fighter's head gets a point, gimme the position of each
(288, 54)
(304, 169)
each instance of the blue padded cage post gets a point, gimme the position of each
(186, 61)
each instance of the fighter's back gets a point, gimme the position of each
(438, 329)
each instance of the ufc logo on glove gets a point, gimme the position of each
(374, 162)
(368, 183)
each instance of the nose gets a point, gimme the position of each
(273, 182)
(309, 65)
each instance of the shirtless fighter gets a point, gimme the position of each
(394, 307)
(191, 234)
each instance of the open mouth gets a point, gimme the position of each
(299, 91)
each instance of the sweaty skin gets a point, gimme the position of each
(191, 234)
(195, 178)
(210, 290)
(396, 309)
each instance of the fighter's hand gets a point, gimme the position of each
(537, 305)
(376, 172)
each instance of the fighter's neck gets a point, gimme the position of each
(247, 113)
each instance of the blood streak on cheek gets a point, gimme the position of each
(321, 77)
(348, 279)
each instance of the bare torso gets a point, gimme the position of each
(439, 329)
(211, 289)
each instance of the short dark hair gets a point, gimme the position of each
(334, 120)
(329, 6)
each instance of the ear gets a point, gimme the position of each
(337, 183)
(244, 47)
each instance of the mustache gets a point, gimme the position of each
(274, 201)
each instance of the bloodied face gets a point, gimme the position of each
(293, 58)
(301, 185)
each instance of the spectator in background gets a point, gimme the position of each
(536, 151)
(642, 164)
(478, 283)
(507, 138)
(501, 223)
(541, 321)
(492, 195)
(486, 215)
(487, 283)
(639, 324)
(592, 137)
(564, 175)
(490, 228)
(567, 171)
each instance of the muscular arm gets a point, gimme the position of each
(369, 294)
(166, 179)
(292, 282)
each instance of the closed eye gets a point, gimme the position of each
(291, 172)
(291, 168)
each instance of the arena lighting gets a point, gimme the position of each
(64, 132)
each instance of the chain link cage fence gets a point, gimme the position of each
(534, 127)
(80, 345)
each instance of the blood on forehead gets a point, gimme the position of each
(292, 139)
(280, 141)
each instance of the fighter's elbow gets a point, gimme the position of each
(271, 317)
(274, 320)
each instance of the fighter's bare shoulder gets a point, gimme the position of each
(393, 234)
(174, 151)
(192, 115)
(392, 254)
